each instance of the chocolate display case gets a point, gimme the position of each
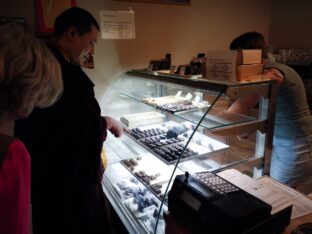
(179, 122)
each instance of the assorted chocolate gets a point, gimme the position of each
(158, 141)
(175, 131)
(145, 177)
(172, 153)
(138, 133)
(131, 163)
(167, 146)
(141, 202)
(156, 188)
(141, 197)
(144, 201)
(142, 176)
(177, 107)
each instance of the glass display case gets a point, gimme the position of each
(179, 124)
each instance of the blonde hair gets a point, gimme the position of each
(30, 76)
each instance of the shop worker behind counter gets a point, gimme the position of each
(30, 76)
(65, 140)
(292, 146)
(291, 161)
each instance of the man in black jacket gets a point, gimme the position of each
(65, 140)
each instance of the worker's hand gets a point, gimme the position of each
(274, 74)
(113, 126)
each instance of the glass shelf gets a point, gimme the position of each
(214, 119)
(193, 82)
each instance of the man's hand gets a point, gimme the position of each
(113, 126)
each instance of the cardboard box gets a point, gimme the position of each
(145, 118)
(249, 56)
(223, 65)
(249, 71)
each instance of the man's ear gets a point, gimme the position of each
(71, 33)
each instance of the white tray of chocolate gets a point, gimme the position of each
(160, 189)
(164, 100)
(168, 140)
(144, 118)
(176, 103)
(150, 170)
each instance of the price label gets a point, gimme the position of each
(196, 99)
(178, 94)
(188, 96)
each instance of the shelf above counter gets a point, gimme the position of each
(231, 89)
(215, 121)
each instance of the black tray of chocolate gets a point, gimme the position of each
(168, 150)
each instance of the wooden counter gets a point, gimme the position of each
(296, 222)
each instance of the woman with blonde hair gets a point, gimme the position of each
(30, 77)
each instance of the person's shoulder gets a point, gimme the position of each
(274, 65)
(57, 53)
(18, 150)
(279, 66)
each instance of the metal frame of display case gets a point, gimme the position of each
(263, 125)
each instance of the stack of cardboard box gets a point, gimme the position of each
(248, 65)
(233, 66)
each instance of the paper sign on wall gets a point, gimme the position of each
(117, 24)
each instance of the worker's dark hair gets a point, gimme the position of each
(76, 17)
(248, 40)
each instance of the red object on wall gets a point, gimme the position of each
(48, 10)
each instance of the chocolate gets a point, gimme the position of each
(155, 213)
(173, 152)
(139, 134)
(176, 107)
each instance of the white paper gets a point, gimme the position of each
(279, 196)
(221, 65)
(282, 196)
(117, 24)
(237, 178)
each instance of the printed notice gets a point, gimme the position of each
(117, 25)
(221, 65)
(279, 196)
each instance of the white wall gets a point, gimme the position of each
(182, 31)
